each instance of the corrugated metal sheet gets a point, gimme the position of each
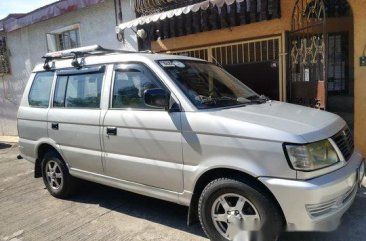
(176, 12)
(46, 12)
(147, 7)
(204, 16)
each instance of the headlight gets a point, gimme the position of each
(311, 157)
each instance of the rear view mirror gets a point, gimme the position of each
(158, 98)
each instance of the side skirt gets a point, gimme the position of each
(129, 186)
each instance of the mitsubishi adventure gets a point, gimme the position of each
(184, 130)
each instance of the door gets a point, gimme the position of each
(307, 54)
(74, 119)
(142, 144)
(340, 77)
(261, 77)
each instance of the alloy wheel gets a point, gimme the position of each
(54, 175)
(232, 213)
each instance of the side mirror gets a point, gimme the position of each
(158, 98)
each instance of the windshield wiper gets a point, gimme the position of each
(258, 99)
(255, 99)
(214, 100)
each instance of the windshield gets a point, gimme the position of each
(207, 85)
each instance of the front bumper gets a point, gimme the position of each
(317, 204)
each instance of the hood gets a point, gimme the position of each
(276, 121)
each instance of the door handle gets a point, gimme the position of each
(111, 131)
(54, 126)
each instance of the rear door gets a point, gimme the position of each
(32, 113)
(74, 118)
(142, 144)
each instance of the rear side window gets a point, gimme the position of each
(78, 91)
(39, 94)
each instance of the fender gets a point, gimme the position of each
(38, 145)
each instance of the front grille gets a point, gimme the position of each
(344, 141)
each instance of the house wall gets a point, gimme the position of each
(28, 44)
(279, 27)
(358, 8)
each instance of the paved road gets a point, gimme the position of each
(28, 212)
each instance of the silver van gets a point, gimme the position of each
(186, 131)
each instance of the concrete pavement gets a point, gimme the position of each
(9, 139)
(28, 212)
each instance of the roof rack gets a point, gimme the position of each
(81, 53)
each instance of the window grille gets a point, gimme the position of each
(199, 53)
(66, 38)
(257, 51)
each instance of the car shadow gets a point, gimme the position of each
(175, 216)
(135, 205)
(4, 146)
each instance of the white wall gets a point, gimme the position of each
(27, 45)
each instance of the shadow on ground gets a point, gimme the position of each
(151, 209)
(175, 216)
(4, 146)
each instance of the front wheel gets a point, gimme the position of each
(232, 210)
(56, 177)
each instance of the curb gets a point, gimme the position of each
(9, 139)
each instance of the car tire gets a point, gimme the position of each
(227, 204)
(56, 176)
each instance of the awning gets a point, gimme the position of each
(176, 12)
(46, 12)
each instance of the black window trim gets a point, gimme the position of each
(111, 91)
(87, 70)
(54, 94)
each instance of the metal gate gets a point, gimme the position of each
(244, 52)
(307, 54)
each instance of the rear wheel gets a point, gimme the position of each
(232, 210)
(56, 176)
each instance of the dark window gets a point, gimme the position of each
(130, 83)
(207, 85)
(39, 94)
(338, 63)
(59, 99)
(78, 91)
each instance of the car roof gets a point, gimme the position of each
(114, 58)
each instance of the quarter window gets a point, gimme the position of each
(39, 94)
(130, 83)
(78, 91)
